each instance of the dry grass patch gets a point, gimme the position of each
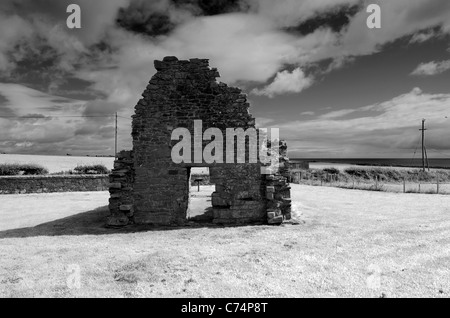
(347, 240)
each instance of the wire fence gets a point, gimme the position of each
(405, 186)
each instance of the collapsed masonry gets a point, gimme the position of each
(147, 187)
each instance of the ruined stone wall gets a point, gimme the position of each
(239, 194)
(179, 93)
(121, 205)
(148, 187)
(278, 191)
(52, 183)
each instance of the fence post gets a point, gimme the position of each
(376, 183)
(419, 186)
(404, 185)
(437, 183)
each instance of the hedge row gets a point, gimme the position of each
(14, 169)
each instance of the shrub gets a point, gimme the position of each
(14, 169)
(358, 173)
(331, 170)
(91, 169)
(61, 173)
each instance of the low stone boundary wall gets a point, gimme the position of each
(53, 183)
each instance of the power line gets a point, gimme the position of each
(115, 139)
(424, 151)
(116, 116)
(415, 151)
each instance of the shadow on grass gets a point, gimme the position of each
(94, 223)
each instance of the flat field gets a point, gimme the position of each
(57, 163)
(65, 163)
(349, 243)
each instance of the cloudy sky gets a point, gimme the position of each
(312, 68)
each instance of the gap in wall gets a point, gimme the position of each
(200, 191)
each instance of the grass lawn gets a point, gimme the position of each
(349, 243)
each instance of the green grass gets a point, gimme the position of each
(14, 169)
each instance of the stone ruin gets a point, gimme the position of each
(147, 187)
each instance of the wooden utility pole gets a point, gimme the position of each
(423, 144)
(115, 139)
(437, 182)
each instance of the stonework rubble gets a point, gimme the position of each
(147, 187)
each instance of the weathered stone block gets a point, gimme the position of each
(222, 214)
(126, 207)
(276, 220)
(170, 59)
(115, 185)
(159, 65)
(217, 200)
(117, 221)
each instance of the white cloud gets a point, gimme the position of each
(245, 47)
(398, 18)
(286, 82)
(432, 68)
(421, 37)
(385, 129)
(24, 100)
(290, 12)
(51, 133)
(14, 29)
(338, 113)
(262, 122)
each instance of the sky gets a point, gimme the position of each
(312, 68)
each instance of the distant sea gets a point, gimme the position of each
(394, 162)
